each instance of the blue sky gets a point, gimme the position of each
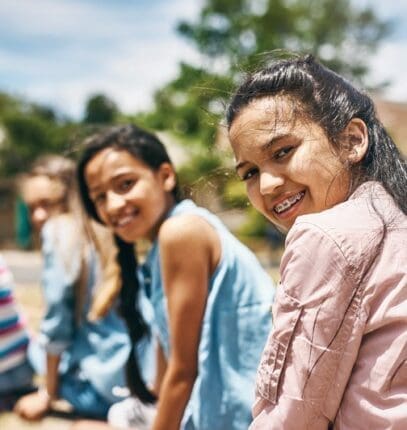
(58, 52)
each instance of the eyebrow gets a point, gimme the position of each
(265, 147)
(117, 176)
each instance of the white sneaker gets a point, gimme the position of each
(131, 412)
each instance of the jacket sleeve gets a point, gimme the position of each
(318, 326)
(61, 270)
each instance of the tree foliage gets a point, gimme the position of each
(233, 36)
(100, 109)
(28, 130)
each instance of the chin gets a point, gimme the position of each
(125, 238)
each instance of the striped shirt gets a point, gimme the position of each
(13, 333)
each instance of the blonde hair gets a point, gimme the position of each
(61, 169)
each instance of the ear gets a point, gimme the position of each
(357, 140)
(167, 176)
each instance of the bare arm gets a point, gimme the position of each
(35, 405)
(187, 246)
(160, 369)
(52, 375)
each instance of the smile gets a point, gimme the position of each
(124, 220)
(286, 204)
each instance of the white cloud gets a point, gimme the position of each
(390, 64)
(45, 17)
(125, 52)
(92, 19)
(60, 52)
(130, 77)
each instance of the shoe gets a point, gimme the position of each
(131, 412)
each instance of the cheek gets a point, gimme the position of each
(101, 212)
(253, 194)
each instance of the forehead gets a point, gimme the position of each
(109, 163)
(265, 116)
(42, 187)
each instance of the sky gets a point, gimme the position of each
(59, 52)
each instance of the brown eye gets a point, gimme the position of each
(249, 174)
(283, 152)
(99, 198)
(126, 184)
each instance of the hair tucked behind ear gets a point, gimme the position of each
(332, 102)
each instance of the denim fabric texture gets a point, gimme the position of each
(16, 379)
(235, 327)
(93, 353)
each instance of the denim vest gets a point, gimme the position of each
(235, 327)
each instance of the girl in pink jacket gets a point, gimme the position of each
(319, 165)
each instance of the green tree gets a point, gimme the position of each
(232, 36)
(100, 109)
(28, 130)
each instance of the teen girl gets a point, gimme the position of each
(319, 165)
(210, 295)
(83, 361)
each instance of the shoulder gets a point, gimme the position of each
(187, 236)
(63, 225)
(184, 228)
(63, 243)
(350, 233)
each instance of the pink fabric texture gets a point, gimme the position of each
(337, 356)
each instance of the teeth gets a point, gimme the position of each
(123, 221)
(283, 206)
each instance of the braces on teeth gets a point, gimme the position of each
(287, 203)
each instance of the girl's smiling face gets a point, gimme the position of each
(289, 166)
(130, 197)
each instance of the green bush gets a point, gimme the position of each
(201, 167)
(255, 225)
(234, 194)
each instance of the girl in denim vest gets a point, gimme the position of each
(211, 297)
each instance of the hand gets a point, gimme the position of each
(33, 406)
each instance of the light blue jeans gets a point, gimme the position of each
(79, 392)
(19, 378)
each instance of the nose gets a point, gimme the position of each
(269, 182)
(114, 202)
(38, 217)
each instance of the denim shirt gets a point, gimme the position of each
(97, 351)
(234, 330)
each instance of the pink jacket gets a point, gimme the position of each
(337, 357)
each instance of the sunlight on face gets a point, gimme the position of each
(289, 166)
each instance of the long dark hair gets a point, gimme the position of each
(146, 147)
(329, 100)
